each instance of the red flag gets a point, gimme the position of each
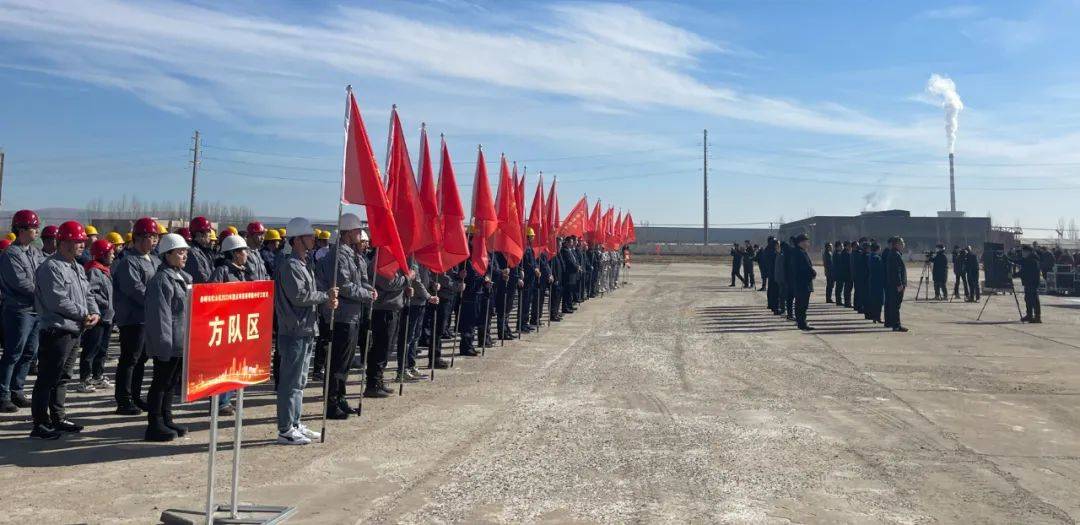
(574, 224)
(615, 240)
(508, 235)
(592, 227)
(536, 218)
(363, 185)
(484, 217)
(629, 237)
(430, 255)
(551, 220)
(519, 191)
(403, 195)
(455, 246)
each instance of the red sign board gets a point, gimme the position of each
(228, 338)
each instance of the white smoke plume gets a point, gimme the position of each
(945, 88)
(877, 200)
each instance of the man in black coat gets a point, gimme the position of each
(1029, 277)
(895, 283)
(767, 259)
(839, 271)
(748, 265)
(736, 265)
(803, 275)
(858, 273)
(971, 268)
(958, 272)
(761, 254)
(571, 270)
(849, 278)
(827, 263)
(941, 273)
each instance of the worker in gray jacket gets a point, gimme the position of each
(95, 341)
(451, 285)
(130, 276)
(200, 258)
(385, 320)
(164, 333)
(18, 264)
(255, 264)
(355, 294)
(296, 296)
(424, 292)
(62, 300)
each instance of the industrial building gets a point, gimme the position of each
(920, 233)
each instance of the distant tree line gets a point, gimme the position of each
(132, 207)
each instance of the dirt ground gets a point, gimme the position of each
(675, 399)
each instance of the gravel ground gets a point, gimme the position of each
(675, 399)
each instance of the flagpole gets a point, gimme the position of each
(333, 278)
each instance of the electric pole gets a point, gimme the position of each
(194, 174)
(705, 170)
(1, 177)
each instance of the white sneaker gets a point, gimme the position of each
(84, 387)
(292, 437)
(103, 382)
(308, 433)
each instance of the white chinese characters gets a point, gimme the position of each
(235, 334)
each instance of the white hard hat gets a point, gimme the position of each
(350, 221)
(233, 242)
(171, 242)
(364, 236)
(299, 227)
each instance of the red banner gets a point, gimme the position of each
(229, 333)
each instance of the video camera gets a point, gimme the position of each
(998, 266)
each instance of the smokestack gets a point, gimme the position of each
(952, 185)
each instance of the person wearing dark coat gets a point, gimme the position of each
(895, 284)
(858, 274)
(748, 266)
(848, 278)
(1029, 276)
(764, 252)
(941, 273)
(958, 272)
(839, 270)
(827, 263)
(555, 264)
(779, 275)
(571, 271)
(802, 282)
(875, 291)
(767, 259)
(971, 268)
(736, 265)
(166, 323)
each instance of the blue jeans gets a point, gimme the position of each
(416, 329)
(295, 355)
(20, 348)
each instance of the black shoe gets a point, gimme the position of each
(468, 352)
(128, 410)
(140, 403)
(19, 399)
(343, 406)
(317, 375)
(159, 433)
(7, 407)
(899, 328)
(180, 430)
(1025, 319)
(1037, 320)
(337, 414)
(45, 433)
(66, 425)
(382, 386)
(762, 289)
(226, 410)
(732, 285)
(441, 364)
(374, 391)
(828, 301)
(555, 320)
(806, 328)
(789, 317)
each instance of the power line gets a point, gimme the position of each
(268, 165)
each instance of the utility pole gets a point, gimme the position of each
(1, 177)
(194, 174)
(705, 171)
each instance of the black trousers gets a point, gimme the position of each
(789, 299)
(893, 298)
(748, 273)
(470, 319)
(856, 296)
(772, 295)
(526, 305)
(132, 365)
(735, 274)
(973, 288)
(342, 351)
(56, 363)
(828, 288)
(95, 347)
(802, 302)
(159, 398)
(873, 305)
(384, 336)
(1031, 302)
(555, 303)
(764, 281)
(839, 289)
(321, 342)
(848, 285)
(960, 278)
(941, 289)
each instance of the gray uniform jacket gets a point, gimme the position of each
(62, 297)
(450, 285)
(354, 287)
(296, 294)
(101, 292)
(422, 285)
(166, 313)
(18, 265)
(129, 277)
(256, 266)
(200, 264)
(391, 292)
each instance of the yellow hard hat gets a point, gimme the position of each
(233, 230)
(11, 237)
(127, 237)
(115, 238)
(318, 232)
(471, 229)
(90, 230)
(272, 235)
(324, 235)
(161, 229)
(283, 232)
(529, 232)
(213, 235)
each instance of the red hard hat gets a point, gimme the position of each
(224, 233)
(199, 225)
(256, 228)
(49, 232)
(185, 233)
(100, 248)
(25, 219)
(145, 226)
(71, 231)
(4, 243)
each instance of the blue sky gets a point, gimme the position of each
(812, 107)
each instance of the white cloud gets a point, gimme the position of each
(955, 12)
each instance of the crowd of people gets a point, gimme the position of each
(68, 288)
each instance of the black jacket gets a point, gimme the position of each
(941, 266)
(827, 262)
(895, 271)
(802, 270)
(1029, 272)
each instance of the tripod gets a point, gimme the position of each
(924, 277)
(990, 292)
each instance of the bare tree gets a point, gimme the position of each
(1074, 232)
(132, 208)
